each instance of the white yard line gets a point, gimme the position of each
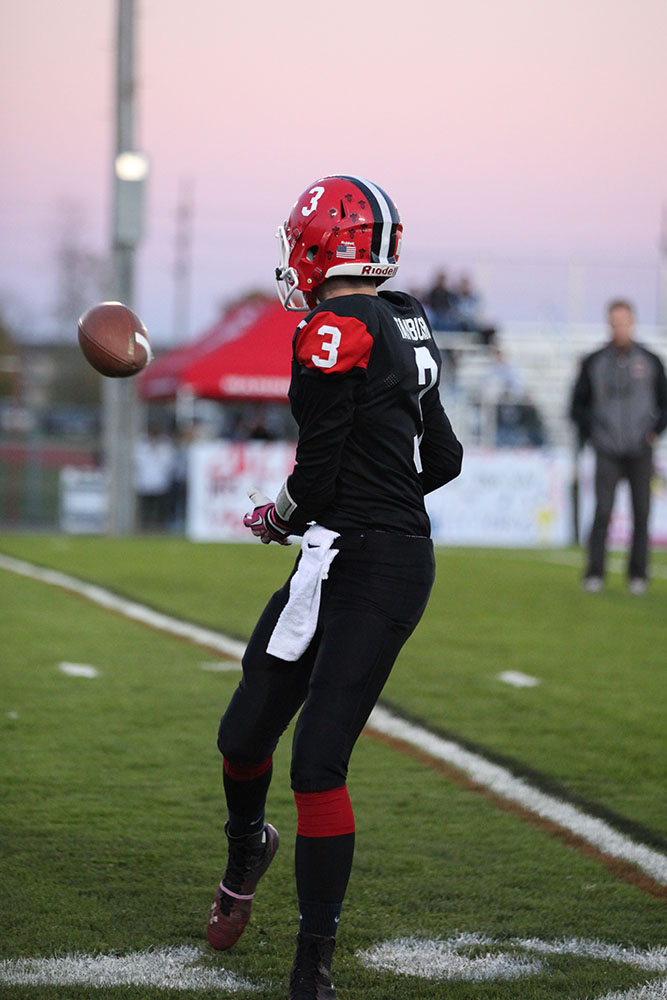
(448, 959)
(503, 783)
(222, 667)
(130, 609)
(78, 670)
(517, 679)
(164, 968)
(465, 957)
(478, 958)
(492, 776)
(650, 991)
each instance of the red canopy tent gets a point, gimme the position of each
(245, 355)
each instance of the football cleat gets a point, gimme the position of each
(310, 978)
(248, 859)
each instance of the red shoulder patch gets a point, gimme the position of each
(331, 343)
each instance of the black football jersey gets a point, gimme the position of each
(373, 435)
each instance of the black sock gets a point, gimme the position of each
(322, 866)
(319, 918)
(242, 826)
(245, 803)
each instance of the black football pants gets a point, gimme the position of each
(376, 592)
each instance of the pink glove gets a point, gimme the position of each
(264, 522)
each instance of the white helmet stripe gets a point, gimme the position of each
(387, 220)
(382, 207)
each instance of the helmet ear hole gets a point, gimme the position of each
(311, 253)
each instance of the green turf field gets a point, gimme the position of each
(112, 812)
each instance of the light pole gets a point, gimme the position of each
(120, 407)
(182, 263)
(661, 317)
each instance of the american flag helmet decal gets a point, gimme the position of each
(346, 250)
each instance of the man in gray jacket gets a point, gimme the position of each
(619, 404)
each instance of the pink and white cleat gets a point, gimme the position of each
(248, 859)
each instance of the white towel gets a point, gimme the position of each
(298, 619)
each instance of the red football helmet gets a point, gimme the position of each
(339, 226)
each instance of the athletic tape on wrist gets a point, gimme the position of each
(285, 505)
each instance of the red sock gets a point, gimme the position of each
(324, 814)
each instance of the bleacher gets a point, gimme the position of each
(547, 357)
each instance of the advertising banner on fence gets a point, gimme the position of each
(84, 501)
(220, 473)
(511, 497)
(507, 497)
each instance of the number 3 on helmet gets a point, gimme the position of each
(340, 226)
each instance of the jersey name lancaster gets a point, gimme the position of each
(373, 436)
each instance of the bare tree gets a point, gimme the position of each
(81, 273)
(8, 358)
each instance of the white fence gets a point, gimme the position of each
(546, 355)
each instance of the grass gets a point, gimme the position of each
(112, 807)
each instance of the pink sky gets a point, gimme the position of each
(525, 141)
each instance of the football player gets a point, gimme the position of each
(373, 441)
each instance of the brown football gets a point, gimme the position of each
(114, 340)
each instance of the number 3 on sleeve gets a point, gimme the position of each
(330, 345)
(336, 344)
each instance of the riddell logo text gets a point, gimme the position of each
(387, 270)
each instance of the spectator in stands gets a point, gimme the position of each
(519, 425)
(502, 379)
(468, 304)
(440, 304)
(256, 423)
(619, 404)
(440, 301)
(532, 425)
(467, 307)
(178, 488)
(503, 396)
(153, 472)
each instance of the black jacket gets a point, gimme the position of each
(619, 398)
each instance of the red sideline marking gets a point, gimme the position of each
(621, 869)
